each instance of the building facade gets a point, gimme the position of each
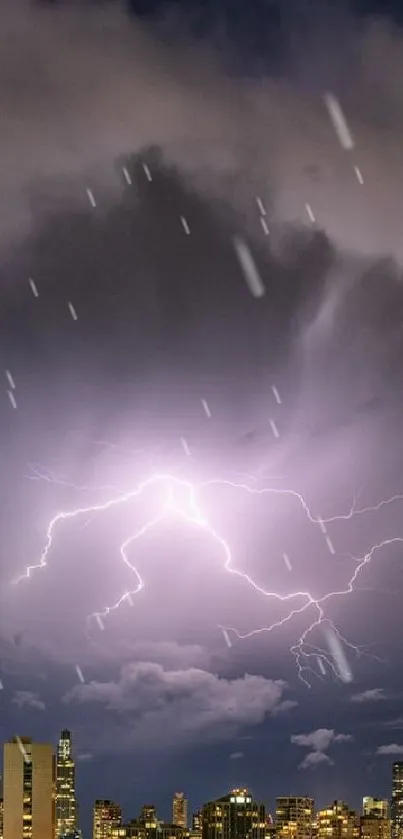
(375, 827)
(197, 821)
(375, 807)
(337, 822)
(180, 810)
(294, 817)
(396, 810)
(106, 816)
(28, 790)
(66, 806)
(235, 816)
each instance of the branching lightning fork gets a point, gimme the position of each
(181, 499)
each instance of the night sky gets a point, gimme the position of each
(143, 380)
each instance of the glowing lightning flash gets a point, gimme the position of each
(181, 501)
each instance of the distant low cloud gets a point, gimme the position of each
(372, 695)
(28, 699)
(236, 756)
(390, 749)
(84, 757)
(319, 741)
(313, 759)
(180, 706)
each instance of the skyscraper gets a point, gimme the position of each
(294, 817)
(28, 790)
(180, 810)
(66, 808)
(396, 809)
(107, 815)
(233, 816)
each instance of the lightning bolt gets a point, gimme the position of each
(181, 500)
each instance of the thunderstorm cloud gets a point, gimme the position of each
(81, 111)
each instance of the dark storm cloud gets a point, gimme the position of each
(120, 89)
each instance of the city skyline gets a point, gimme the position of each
(56, 808)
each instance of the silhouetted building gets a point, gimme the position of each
(235, 816)
(28, 790)
(294, 817)
(396, 810)
(107, 815)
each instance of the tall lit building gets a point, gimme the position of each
(337, 822)
(375, 827)
(180, 810)
(375, 807)
(66, 808)
(294, 817)
(28, 790)
(235, 816)
(396, 809)
(107, 815)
